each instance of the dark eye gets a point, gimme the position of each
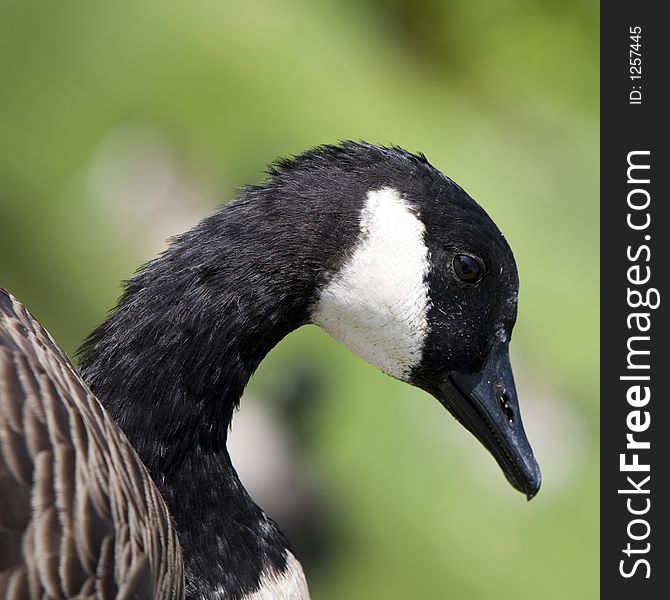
(467, 268)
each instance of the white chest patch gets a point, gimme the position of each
(288, 585)
(377, 304)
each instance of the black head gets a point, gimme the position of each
(428, 293)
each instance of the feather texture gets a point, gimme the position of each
(79, 515)
(356, 238)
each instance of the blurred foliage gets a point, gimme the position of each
(502, 96)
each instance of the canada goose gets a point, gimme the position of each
(376, 246)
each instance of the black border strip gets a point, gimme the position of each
(634, 118)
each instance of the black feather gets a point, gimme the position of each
(172, 359)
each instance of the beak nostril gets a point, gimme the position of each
(503, 398)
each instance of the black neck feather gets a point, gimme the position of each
(172, 360)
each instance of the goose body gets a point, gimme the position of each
(79, 514)
(385, 253)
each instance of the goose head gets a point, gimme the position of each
(427, 292)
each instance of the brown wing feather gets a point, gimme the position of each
(79, 515)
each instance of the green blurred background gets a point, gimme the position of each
(122, 123)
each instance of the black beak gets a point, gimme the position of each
(486, 403)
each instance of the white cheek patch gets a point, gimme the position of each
(377, 304)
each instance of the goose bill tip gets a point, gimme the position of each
(486, 403)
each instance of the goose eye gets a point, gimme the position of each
(467, 268)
